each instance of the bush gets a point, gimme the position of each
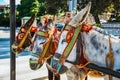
(5, 18)
(118, 17)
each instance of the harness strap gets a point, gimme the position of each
(84, 63)
(59, 55)
(70, 45)
(78, 49)
(110, 57)
(42, 33)
(49, 47)
(45, 50)
(27, 26)
(24, 38)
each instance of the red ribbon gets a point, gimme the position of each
(86, 27)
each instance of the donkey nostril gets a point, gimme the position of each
(42, 43)
(14, 50)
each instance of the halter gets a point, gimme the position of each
(71, 39)
(18, 46)
(73, 36)
(110, 58)
(86, 27)
(48, 46)
(23, 34)
(45, 46)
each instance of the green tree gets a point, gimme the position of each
(41, 1)
(56, 6)
(28, 7)
(5, 18)
(98, 7)
(117, 9)
(42, 9)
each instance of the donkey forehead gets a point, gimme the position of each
(40, 39)
(63, 35)
(62, 39)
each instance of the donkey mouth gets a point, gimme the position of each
(16, 49)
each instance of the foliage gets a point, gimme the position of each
(42, 8)
(5, 18)
(56, 6)
(109, 8)
(41, 1)
(118, 17)
(117, 9)
(116, 5)
(100, 6)
(98, 25)
(28, 7)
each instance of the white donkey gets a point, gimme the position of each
(98, 47)
(76, 73)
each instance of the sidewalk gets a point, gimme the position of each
(23, 71)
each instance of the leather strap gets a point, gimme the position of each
(110, 57)
(45, 50)
(70, 45)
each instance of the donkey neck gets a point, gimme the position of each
(96, 46)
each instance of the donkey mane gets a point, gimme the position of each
(102, 31)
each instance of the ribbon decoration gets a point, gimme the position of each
(70, 45)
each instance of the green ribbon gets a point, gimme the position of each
(42, 33)
(70, 45)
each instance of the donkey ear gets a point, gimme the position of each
(81, 16)
(30, 21)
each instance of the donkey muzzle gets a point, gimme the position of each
(16, 49)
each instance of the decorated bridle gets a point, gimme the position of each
(49, 47)
(24, 35)
(71, 38)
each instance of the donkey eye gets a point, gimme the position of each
(42, 42)
(20, 36)
(63, 41)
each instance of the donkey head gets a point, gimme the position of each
(24, 36)
(67, 34)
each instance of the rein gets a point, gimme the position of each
(110, 58)
(23, 38)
